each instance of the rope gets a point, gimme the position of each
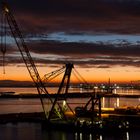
(3, 40)
(81, 79)
(80, 76)
(77, 77)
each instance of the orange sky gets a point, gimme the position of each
(116, 74)
(97, 61)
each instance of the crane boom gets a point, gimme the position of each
(49, 76)
(65, 82)
(31, 67)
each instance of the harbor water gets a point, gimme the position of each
(8, 105)
(34, 131)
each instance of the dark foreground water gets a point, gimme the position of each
(34, 131)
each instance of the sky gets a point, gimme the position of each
(100, 37)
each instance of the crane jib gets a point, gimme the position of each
(18, 37)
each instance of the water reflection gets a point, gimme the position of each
(127, 136)
(87, 136)
(101, 137)
(104, 136)
(58, 135)
(34, 131)
(118, 102)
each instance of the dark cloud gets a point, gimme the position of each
(82, 54)
(74, 16)
(66, 15)
(83, 7)
(85, 49)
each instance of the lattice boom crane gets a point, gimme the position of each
(18, 37)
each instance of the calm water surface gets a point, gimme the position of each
(34, 105)
(34, 131)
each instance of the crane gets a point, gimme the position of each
(64, 84)
(60, 103)
(49, 76)
(26, 56)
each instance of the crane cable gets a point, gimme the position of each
(3, 40)
(78, 76)
(81, 79)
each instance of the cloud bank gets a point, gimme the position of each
(39, 18)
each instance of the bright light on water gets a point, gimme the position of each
(118, 102)
(101, 138)
(127, 136)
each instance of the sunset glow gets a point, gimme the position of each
(92, 75)
(102, 45)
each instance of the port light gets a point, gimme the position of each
(6, 9)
